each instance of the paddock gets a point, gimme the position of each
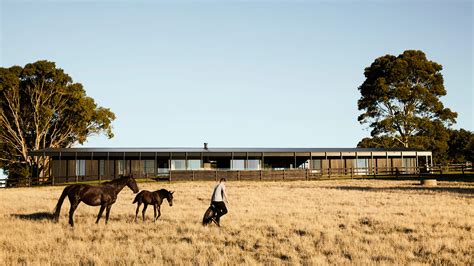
(270, 222)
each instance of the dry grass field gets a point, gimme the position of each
(307, 222)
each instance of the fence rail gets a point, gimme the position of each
(266, 174)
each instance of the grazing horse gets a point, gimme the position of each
(154, 198)
(104, 195)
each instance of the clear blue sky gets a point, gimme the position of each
(237, 73)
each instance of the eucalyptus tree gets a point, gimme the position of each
(400, 98)
(41, 107)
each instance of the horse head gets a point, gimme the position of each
(169, 197)
(132, 184)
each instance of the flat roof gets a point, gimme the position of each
(184, 149)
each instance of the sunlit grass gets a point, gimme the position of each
(315, 222)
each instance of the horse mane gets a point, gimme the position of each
(121, 180)
(164, 192)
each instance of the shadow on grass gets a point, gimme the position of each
(469, 191)
(37, 216)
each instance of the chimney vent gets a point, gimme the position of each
(205, 145)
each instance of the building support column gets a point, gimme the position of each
(416, 162)
(328, 162)
(123, 165)
(294, 160)
(246, 163)
(155, 165)
(66, 176)
(372, 164)
(75, 164)
(140, 168)
(403, 164)
(60, 168)
(343, 163)
(202, 160)
(169, 164)
(108, 164)
(92, 165)
(355, 166)
(186, 160)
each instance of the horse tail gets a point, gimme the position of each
(57, 209)
(137, 197)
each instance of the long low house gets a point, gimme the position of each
(80, 164)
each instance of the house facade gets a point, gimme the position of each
(109, 163)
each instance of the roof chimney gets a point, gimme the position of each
(205, 145)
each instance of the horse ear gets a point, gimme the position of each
(172, 192)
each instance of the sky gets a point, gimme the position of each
(237, 73)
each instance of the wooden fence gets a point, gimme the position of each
(267, 174)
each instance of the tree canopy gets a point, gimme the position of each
(400, 99)
(460, 145)
(41, 107)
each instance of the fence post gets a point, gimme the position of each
(261, 173)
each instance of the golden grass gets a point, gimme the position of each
(316, 222)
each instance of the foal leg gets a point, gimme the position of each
(102, 208)
(159, 211)
(138, 208)
(107, 213)
(144, 210)
(154, 209)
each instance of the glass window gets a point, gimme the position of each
(237, 164)
(80, 167)
(316, 166)
(408, 165)
(162, 165)
(149, 166)
(253, 164)
(101, 167)
(178, 164)
(121, 167)
(409, 162)
(361, 165)
(194, 164)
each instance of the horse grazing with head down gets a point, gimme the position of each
(103, 195)
(154, 198)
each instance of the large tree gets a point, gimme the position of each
(460, 145)
(400, 101)
(41, 107)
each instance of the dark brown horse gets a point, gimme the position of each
(154, 198)
(104, 195)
